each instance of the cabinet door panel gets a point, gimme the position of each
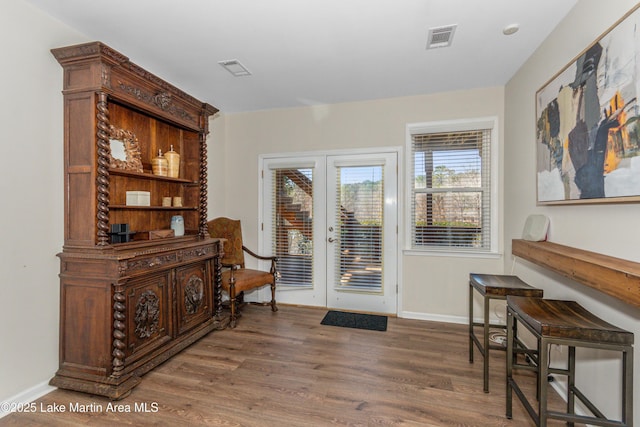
(148, 314)
(193, 295)
(86, 308)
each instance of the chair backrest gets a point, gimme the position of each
(231, 230)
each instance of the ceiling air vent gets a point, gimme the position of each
(440, 36)
(235, 67)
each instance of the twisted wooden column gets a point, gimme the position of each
(102, 179)
(203, 229)
(119, 326)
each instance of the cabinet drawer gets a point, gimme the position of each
(141, 264)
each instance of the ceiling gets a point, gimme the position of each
(309, 52)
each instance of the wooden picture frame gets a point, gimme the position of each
(587, 123)
(124, 152)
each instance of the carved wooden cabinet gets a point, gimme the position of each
(128, 305)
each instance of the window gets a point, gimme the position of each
(450, 182)
(360, 206)
(292, 228)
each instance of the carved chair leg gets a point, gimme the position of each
(232, 303)
(274, 307)
(240, 299)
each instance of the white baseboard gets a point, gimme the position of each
(24, 397)
(434, 317)
(462, 320)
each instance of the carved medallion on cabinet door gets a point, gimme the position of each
(147, 318)
(193, 295)
(148, 314)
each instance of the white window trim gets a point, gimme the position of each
(453, 126)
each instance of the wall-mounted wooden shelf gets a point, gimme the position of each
(613, 276)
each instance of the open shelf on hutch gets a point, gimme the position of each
(146, 243)
(147, 175)
(154, 135)
(153, 208)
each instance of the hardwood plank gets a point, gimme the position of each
(285, 369)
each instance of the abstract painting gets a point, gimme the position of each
(587, 130)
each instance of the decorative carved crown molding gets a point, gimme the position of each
(161, 100)
(100, 51)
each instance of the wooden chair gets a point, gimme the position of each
(235, 277)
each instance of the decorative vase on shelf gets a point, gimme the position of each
(177, 225)
(173, 160)
(160, 165)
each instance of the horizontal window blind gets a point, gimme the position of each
(292, 228)
(358, 251)
(450, 200)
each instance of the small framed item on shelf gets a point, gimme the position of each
(124, 150)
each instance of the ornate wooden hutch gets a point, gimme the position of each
(127, 305)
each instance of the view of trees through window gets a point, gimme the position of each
(353, 195)
(455, 199)
(360, 209)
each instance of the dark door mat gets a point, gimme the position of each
(355, 320)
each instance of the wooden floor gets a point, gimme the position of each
(285, 369)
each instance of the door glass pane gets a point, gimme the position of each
(292, 239)
(359, 246)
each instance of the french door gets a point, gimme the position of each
(361, 232)
(332, 222)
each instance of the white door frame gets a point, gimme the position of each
(290, 159)
(350, 298)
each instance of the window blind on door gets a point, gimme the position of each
(292, 228)
(358, 245)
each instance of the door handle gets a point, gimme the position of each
(331, 240)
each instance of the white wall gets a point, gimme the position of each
(431, 287)
(216, 167)
(31, 184)
(607, 229)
